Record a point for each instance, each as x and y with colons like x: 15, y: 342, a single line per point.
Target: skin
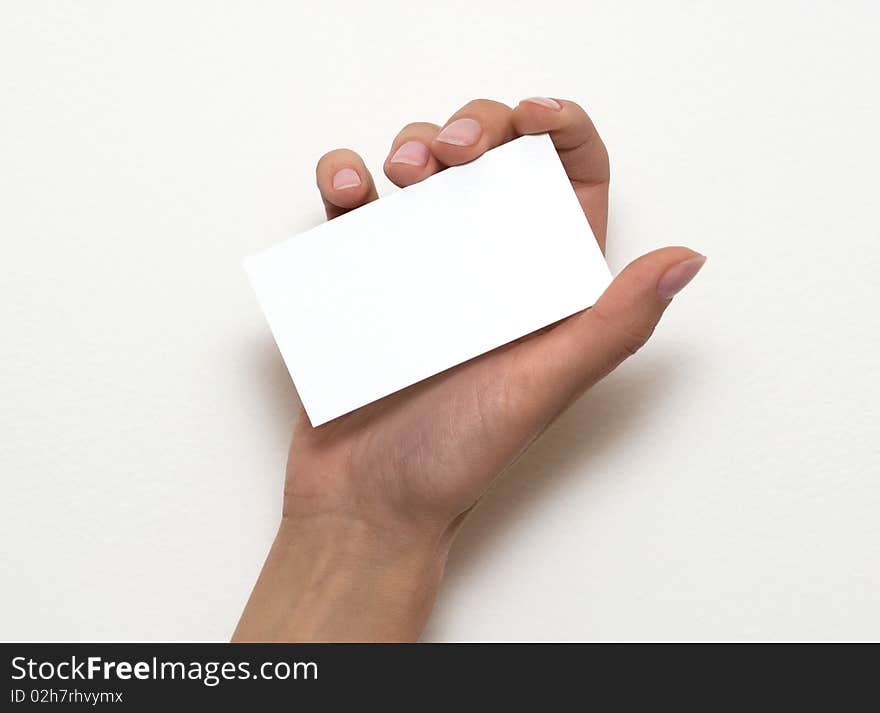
x: 373, y: 500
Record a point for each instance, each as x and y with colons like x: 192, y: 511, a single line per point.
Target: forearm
x: 334, y: 579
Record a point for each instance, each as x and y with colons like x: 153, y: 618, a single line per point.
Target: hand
x: 374, y: 499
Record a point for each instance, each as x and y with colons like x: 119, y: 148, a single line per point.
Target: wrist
x: 331, y: 578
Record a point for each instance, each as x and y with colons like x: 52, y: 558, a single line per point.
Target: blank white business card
x: 428, y: 277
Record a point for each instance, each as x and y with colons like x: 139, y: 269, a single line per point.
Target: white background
x: 722, y: 485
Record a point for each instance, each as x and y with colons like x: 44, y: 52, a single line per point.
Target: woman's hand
x: 373, y: 499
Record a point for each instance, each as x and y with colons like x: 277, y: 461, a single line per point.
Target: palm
x: 436, y: 444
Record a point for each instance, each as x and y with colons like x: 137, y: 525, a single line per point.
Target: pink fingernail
x: 676, y: 277
x: 461, y: 132
x: 545, y: 102
x: 346, y: 178
x: 412, y: 153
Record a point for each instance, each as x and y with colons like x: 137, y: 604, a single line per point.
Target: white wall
x: 724, y: 484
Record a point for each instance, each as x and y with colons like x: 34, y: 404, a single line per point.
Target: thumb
x: 586, y: 347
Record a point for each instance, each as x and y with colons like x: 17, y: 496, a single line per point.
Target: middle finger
x: 478, y: 126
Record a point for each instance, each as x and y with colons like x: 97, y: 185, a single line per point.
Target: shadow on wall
x: 606, y: 419
x: 274, y: 390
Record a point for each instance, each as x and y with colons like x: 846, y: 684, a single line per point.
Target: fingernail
x: 346, y: 178
x: 676, y: 277
x: 461, y: 132
x: 545, y: 102
x: 412, y: 153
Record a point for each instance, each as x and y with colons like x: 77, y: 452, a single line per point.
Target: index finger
x: 580, y: 149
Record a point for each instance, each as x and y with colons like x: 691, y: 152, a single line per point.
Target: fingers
x: 344, y: 182
x: 422, y: 149
x: 478, y: 126
x: 580, y: 149
x: 556, y: 367
x: 410, y: 159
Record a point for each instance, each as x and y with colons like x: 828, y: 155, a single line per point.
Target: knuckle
x: 418, y: 128
x: 568, y: 104
x: 336, y: 155
x: 627, y: 338
x: 481, y: 105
